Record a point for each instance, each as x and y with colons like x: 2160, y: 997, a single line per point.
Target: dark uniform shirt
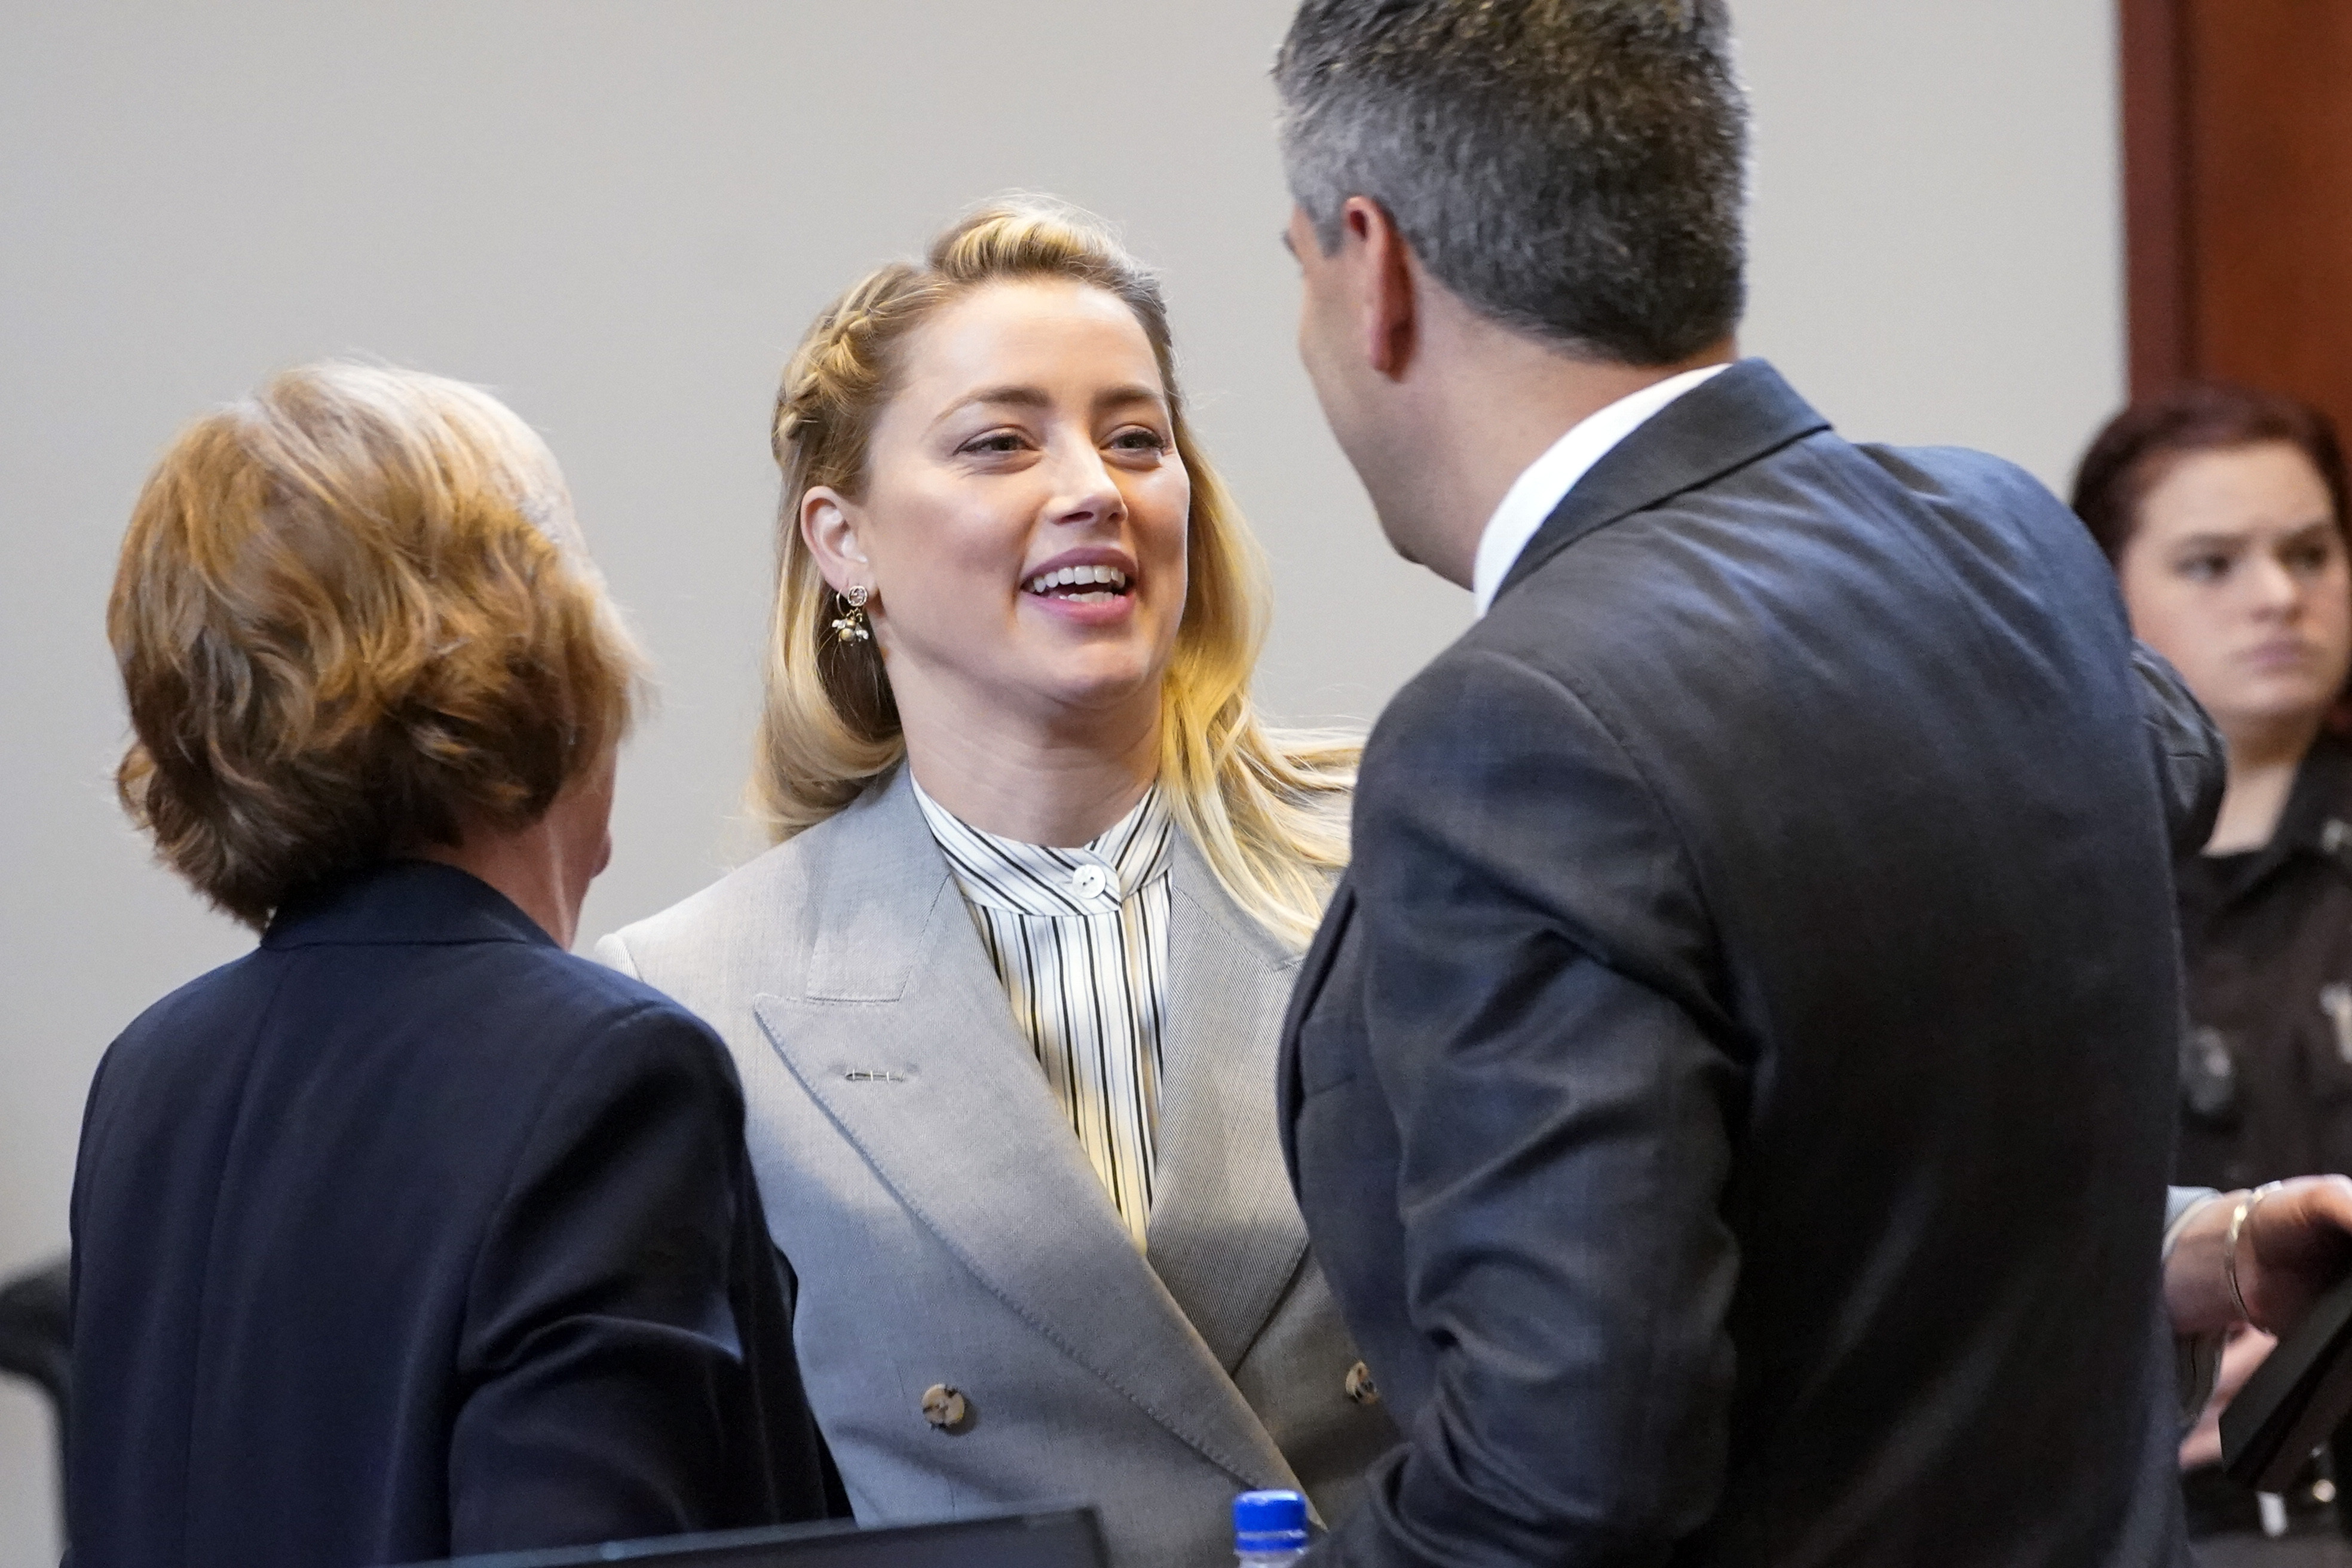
x: 2266, y: 1066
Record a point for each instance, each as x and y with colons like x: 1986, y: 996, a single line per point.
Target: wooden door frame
x: 2159, y: 283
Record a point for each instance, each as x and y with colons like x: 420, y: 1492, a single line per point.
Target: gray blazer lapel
x: 1225, y: 1236
x: 903, y: 1036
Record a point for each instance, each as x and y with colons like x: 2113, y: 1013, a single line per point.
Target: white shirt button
x: 1090, y: 880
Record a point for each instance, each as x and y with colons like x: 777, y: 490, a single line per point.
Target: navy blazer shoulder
x: 1756, y: 983
x: 410, y: 1233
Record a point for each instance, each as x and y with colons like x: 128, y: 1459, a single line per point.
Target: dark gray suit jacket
x: 1731, y: 1095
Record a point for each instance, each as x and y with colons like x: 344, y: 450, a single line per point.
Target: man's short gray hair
x: 1572, y: 169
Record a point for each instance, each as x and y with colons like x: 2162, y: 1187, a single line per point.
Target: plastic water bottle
x: 1269, y: 1528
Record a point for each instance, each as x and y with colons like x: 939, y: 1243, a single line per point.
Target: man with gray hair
x: 1732, y: 1092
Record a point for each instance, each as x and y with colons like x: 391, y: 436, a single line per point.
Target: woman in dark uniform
x: 2224, y: 512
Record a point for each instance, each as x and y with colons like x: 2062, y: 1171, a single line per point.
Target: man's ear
x: 1391, y: 321
x: 829, y: 527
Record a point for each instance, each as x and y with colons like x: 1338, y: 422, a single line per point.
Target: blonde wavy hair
x: 1266, y: 807
x: 351, y: 612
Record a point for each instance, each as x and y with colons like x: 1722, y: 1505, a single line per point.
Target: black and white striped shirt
x: 1079, y: 937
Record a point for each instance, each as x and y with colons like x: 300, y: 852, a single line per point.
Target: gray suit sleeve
x: 1539, y: 1026
x: 2191, y: 762
x: 2191, y: 766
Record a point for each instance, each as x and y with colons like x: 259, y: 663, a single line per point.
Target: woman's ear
x: 829, y: 526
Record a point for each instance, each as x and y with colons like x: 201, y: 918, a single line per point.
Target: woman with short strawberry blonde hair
x: 408, y: 1234
x: 352, y: 611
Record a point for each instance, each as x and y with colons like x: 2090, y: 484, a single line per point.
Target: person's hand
x: 2245, y: 1350
x: 2295, y: 1243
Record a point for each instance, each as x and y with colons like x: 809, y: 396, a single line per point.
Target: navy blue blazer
x: 410, y: 1233
x: 1732, y: 1094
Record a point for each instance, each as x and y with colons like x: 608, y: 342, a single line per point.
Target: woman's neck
x: 2262, y: 762
x: 1059, y: 785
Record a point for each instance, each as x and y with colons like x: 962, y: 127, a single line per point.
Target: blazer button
x: 944, y: 1407
x: 1360, y: 1386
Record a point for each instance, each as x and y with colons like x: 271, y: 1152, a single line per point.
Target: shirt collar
x: 1047, y: 880
x: 1536, y: 493
x: 2316, y: 821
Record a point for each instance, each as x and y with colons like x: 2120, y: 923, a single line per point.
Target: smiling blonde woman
x: 1006, y: 996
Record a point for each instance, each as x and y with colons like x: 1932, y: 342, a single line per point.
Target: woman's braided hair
x: 1266, y: 807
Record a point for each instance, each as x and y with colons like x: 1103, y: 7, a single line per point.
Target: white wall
x: 621, y: 215
x: 1937, y: 231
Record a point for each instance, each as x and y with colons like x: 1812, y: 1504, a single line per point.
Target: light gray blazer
x: 946, y: 1229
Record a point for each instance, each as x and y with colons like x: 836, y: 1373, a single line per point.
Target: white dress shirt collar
x: 1541, y: 486
x: 1057, y: 883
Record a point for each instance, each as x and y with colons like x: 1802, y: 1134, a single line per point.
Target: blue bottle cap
x: 1269, y: 1522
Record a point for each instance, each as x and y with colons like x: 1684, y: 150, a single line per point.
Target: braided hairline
x: 846, y: 360
x: 840, y: 367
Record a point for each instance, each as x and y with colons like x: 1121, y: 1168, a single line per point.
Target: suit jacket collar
x: 397, y: 902
x: 899, y: 1028
x: 1724, y: 424
x: 1313, y: 971
x: 1536, y: 492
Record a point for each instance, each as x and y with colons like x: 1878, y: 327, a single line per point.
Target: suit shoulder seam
x: 1593, y: 708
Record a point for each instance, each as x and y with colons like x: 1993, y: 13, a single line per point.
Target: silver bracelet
x: 2247, y: 1204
